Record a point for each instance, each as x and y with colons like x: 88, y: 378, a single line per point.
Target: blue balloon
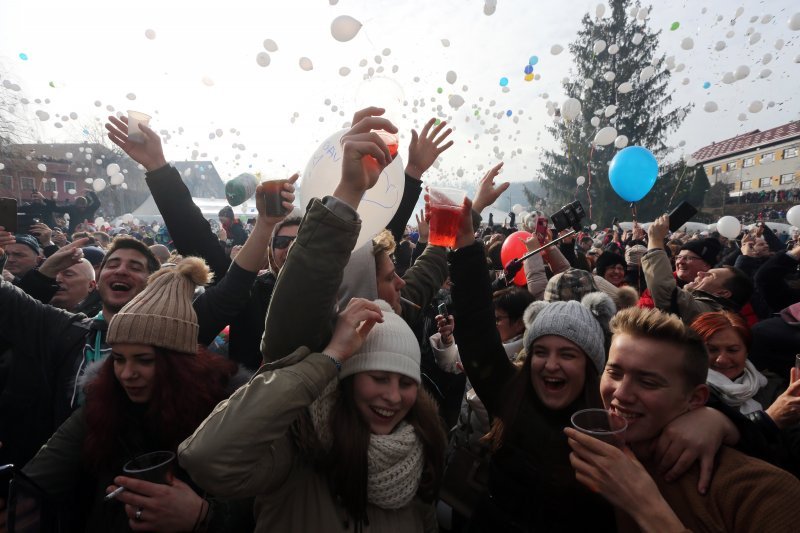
x: 503, y: 81
x: 706, y: 85
x: 533, y: 60
x: 508, y: 113
x: 633, y: 172
x: 528, y: 69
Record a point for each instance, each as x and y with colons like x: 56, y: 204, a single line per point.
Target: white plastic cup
x: 134, y: 119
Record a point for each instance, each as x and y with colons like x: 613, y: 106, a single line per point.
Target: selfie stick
x: 514, y: 265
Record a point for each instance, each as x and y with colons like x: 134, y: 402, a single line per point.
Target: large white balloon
x: 609, y: 76
x: 117, y: 179
x: 793, y: 216
x: 646, y: 73
x: 605, y: 136
x: 451, y: 77
x: 517, y: 209
x: 710, y: 106
x: 556, y: 49
x: 610, y: 110
x: 595, y: 121
x: 728, y: 78
x: 720, y: 46
x: 580, y: 181
x: 729, y: 227
x: 613, y: 49
x: 742, y: 71
x: 112, y: 169
x: 599, y: 46
x: 625, y: 87
x: 756, y: 106
x: 687, y: 43
x: 794, y: 22
x: 621, y: 141
x: 344, y: 28
x: 600, y: 10
x: 570, y: 109
x: 42, y: 167
x: 379, y: 203
x: 99, y: 184
x: 637, y: 38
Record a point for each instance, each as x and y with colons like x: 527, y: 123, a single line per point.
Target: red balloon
x: 514, y: 248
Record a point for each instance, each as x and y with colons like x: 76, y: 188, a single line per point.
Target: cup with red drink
x: 445, y: 215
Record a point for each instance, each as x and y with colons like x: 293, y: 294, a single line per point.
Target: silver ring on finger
x: 138, y: 514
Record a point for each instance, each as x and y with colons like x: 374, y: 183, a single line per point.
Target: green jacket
x: 245, y: 448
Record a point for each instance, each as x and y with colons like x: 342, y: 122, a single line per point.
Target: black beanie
x: 707, y: 249
x: 608, y: 259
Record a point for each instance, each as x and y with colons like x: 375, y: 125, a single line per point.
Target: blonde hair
x: 383, y: 242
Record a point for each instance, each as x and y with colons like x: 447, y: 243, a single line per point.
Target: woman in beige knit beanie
x: 148, y: 395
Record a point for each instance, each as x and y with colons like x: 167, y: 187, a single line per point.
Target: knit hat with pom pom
x: 162, y: 314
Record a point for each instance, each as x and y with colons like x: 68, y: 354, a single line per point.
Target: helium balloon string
x: 589, y: 186
x: 669, y: 205
x: 633, y: 210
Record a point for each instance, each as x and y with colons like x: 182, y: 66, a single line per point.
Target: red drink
x: 274, y: 200
x: 445, y: 220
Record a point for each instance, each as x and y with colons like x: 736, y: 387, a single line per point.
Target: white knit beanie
x: 391, y: 346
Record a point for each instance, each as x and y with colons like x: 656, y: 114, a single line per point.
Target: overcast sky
x: 200, y: 74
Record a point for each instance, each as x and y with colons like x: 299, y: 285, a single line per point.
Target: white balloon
x: 117, y: 179
x: 687, y: 43
x: 124, y: 186
x: 637, y: 38
x: 306, y: 64
x: 445, y: 42
x: 691, y: 162
x: 344, y: 28
x: 517, y: 209
x: 739, y: 12
x: 755, y: 106
x: 99, y: 184
x: 570, y: 109
x: 643, y: 12
x: 42, y: 167
x: 729, y: 227
x: 755, y: 38
x: 71, y: 191
x: 344, y: 71
x: 728, y: 78
x: 455, y: 101
x: 593, y: 227
x: 599, y: 46
x: 207, y: 81
x: 112, y: 169
x: 580, y: 181
x: 451, y: 77
x: 270, y: 45
x: 710, y: 106
x: 621, y: 141
x: 794, y: 22
x: 766, y: 18
x: 720, y: 46
x: 766, y: 58
x: 588, y: 83
x: 150, y: 34
x: 556, y: 49
x: 600, y: 10
x: 797, y: 58
x: 625, y: 87
x: 99, y: 221
x: 765, y: 73
x: 613, y: 49
x: 68, y: 155
x: 610, y: 110
x: 646, y: 73
x: 779, y: 44
x: 379, y: 203
x: 263, y: 59
x: 742, y: 71
x: 605, y: 136
x: 595, y: 121
x: 609, y: 76
x: 793, y: 215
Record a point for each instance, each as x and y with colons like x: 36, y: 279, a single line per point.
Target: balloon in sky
x: 150, y: 34
x: 710, y: 106
x: 529, y: 77
x: 756, y: 106
x: 263, y: 59
x: 112, y: 169
x: 793, y: 216
x: 270, y: 45
x: 625, y: 87
x: 344, y: 28
x: 528, y: 69
x: 99, y: 184
x: 42, y: 167
x: 729, y: 227
x: 503, y: 82
x: 621, y: 141
x: 687, y: 43
x: 706, y: 85
x: 794, y: 22
x: 508, y: 113
x: 599, y: 46
x: 306, y: 64
x: 533, y: 60
x: 451, y: 77
x: 556, y: 49
x: 675, y: 26
x: 646, y: 73
x: 637, y: 38
x: 595, y: 121
x: 570, y: 109
x: 605, y: 136
x: 580, y: 181
x: 633, y: 172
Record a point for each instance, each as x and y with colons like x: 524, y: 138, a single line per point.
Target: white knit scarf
x: 739, y: 393
x: 394, y: 461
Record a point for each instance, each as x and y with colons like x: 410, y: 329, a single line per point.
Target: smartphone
x: 681, y: 215
x: 541, y: 227
x: 443, y: 310
x: 8, y: 214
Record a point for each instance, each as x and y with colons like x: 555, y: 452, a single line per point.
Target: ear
x: 698, y: 397
x: 724, y: 293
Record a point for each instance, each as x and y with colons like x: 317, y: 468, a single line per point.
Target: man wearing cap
x: 21, y: 257
x: 712, y: 290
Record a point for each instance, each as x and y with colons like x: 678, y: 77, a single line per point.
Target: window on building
x: 26, y: 184
x: 49, y: 185
x: 749, y: 162
x: 732, y: 166
x: 764, y: 182
x: 790, y: 152
x: 69, y: 185
x: 747, y: 185
x: 768, y: 158
x: 716, y: 169
x: 7, y: 183
x: 787, y: 178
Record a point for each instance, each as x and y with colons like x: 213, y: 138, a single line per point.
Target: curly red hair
x: 186, y: 389
x: 708, y: 324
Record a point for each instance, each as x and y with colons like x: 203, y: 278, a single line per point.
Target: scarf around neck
x: 394, y: 461
x: 739, y: 392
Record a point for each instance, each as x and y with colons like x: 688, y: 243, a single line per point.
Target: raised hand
x: 426, y: 147
x: 656, y: 233
x: 171, y: 507
x: 149, y: 153
x: 6, y: 238
x: 445, y: 326
x: 64, y: 258
x: 43, y: 233
x: 423, y: 227
x: 353, y: 326
x: 487, y: 193
x: 288, y: 197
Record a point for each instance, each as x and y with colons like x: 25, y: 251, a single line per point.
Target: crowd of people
x: 296, y: 382
x: 771, y: 196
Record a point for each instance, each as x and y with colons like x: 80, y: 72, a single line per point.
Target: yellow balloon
x: 529, y: 77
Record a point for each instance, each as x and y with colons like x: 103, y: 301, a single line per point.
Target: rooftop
x: 747, y: 141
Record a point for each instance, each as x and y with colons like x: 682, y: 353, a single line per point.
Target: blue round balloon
x: 508, y: 113
x: 633, y: 172
x: 533, y: 60
x: 503, y: 82
x: 528, y: 69
x: 706, y: 85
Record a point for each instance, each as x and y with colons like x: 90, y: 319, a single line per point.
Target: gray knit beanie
x: 391, y: 346
x: 573, y: 321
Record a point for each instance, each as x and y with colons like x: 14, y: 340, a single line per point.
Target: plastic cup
x: 274, y: 201
x: 602, y: 425
x: 445, y: 212
x: 152, y: 467
x: 134, y: 119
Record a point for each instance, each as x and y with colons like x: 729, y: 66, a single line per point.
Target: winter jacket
x: 245, y: 448
x: 770, y: 281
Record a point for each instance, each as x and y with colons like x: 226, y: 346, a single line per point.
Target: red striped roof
x: 748, y: 141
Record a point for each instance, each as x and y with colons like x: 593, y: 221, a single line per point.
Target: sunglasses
x: 279, y: 242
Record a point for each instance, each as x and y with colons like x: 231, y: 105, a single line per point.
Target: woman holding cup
x: 149, y: 395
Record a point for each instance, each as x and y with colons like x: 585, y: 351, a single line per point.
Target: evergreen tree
x: 642, y: 115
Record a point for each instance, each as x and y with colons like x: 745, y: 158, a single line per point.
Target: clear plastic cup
x: 445, y: 212
x: 602, y: 425
x: 134, y: 119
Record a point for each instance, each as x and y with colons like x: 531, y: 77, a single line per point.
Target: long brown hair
x: 520, y: 390
x: 185, y: 390
x: 345, y: 464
